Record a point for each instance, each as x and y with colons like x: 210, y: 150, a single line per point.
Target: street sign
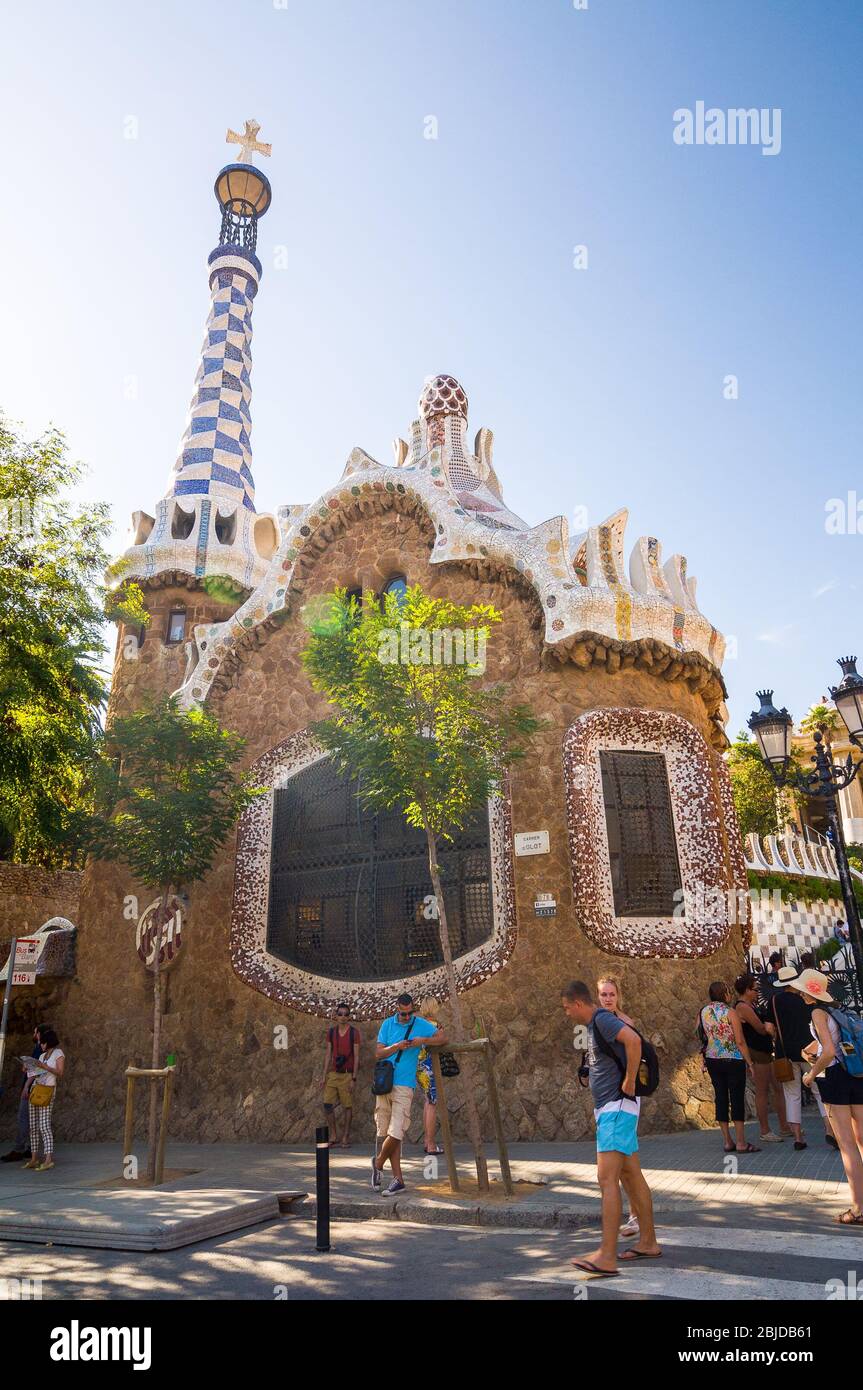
x: 26, y: 956
x: 531, y: 842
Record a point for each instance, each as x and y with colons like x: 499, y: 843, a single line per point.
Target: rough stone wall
x: 29, y: 896
x: 156, y: 667
x: 235, y: 1082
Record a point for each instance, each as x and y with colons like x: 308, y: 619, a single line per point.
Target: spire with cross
x: 249, y: 143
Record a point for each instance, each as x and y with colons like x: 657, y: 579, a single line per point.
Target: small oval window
x: 398, y: 586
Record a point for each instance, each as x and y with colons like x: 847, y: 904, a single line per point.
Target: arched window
x: 398, y: 585
x: 182, y: 524
x: 351, y: 896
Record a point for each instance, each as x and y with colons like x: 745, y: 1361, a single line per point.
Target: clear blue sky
x: 407, y: 256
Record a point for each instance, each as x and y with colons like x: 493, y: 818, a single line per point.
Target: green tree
x: 52, y: 612
x: 761, y: 806
x: 421, y: 734
x: 170, y: 792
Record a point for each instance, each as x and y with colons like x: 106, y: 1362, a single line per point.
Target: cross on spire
x: 248, y: 142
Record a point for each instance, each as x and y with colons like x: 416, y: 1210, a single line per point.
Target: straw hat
x: 785, y: 976
x: 813, y: 983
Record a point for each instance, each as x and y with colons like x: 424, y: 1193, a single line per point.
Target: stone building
x: 623, y: 811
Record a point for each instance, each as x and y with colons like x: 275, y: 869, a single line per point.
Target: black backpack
x: 647, y: 1079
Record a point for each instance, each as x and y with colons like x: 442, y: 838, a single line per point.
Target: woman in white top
x: 841, y: 1092
x: 52, y: 1063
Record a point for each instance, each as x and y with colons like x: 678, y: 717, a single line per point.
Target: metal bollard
x: 322, y: 1187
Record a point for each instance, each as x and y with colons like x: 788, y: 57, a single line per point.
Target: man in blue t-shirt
x: 398, y: 1037
x: 613, y: 1059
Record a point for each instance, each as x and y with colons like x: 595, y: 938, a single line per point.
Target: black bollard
x: 322, y: 1187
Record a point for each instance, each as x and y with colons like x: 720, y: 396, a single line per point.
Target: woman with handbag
x: 43, y: 1091
x: 726, y: 1061
x: 759, y: 1040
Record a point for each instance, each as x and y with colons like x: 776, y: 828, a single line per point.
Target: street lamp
x: 772, y: 728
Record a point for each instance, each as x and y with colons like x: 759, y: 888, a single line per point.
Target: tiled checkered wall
x: 216, y: 451
x: 800, y: 926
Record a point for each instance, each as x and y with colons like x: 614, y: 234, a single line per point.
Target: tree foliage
x: 170, y: 792
x: 824, y: 719
x: 52, y: 560
x: 761, y: 807
x: 423, y: 735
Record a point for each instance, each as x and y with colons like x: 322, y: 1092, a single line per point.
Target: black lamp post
x: 772, y: 728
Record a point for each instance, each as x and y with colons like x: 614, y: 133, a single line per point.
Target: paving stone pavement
x: 687, y: 1172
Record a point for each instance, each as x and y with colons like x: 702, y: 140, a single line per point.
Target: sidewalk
x: 233, y: 1186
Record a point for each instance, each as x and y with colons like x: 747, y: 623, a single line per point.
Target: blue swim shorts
x: 616, y: 1132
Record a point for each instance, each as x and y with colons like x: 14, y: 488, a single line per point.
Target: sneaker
x: 15, y: 1156
x: 394, y: 1188
x: 376, y: 1176
x: 42, y: 1167
x: 630, y: 1227
x: 770, y: 1138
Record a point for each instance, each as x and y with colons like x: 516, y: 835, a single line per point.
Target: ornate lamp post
x: 772, y: 728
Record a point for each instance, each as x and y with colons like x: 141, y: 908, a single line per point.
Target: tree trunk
x: 473, y: 1123
x: 153, y: 1122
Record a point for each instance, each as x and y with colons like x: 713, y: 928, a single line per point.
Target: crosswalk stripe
x: 702, y: 1285
x: 772, y: 1241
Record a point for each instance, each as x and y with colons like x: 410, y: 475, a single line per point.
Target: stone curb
x: 447, y: 1214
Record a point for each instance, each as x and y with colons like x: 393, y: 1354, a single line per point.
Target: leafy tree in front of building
x: 762, y: 808
x: 170, y: 792
x: 421, y: 733
x: 52, y: 613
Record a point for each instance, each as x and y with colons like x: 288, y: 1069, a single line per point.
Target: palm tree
x: 823, y: 719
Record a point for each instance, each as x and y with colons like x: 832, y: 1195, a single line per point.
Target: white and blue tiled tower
x: 215, y: 457
x: 206, y: 524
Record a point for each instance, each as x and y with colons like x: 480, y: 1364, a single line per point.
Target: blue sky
x: 407, y: 256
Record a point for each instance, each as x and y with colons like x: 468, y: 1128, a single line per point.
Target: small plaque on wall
x: 531, y: 842
x: 545, y: 905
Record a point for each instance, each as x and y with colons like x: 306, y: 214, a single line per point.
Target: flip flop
x: 849, y: 1218
x: 632, y: 1254
x: 750, y: 1149
x: 588, y: 1267
x: 732, y: 1150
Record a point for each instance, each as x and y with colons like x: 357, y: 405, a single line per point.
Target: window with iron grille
x: 351, y: 896
x: 645, y: 871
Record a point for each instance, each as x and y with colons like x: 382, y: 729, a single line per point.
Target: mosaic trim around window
x: 698, y: 825
x: 315, y: 994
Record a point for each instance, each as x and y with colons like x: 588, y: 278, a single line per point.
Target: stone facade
x: 235, y: 1081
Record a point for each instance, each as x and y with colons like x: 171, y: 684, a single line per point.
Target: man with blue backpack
x: 836, y: 1061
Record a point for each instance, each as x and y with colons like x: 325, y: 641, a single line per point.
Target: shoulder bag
x: 384, y: 1074
x: 40, y: 1094
x: 783, y: 1068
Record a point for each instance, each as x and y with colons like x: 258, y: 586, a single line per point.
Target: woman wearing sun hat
x: 842, y: 1093
x: 794, y: 1044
